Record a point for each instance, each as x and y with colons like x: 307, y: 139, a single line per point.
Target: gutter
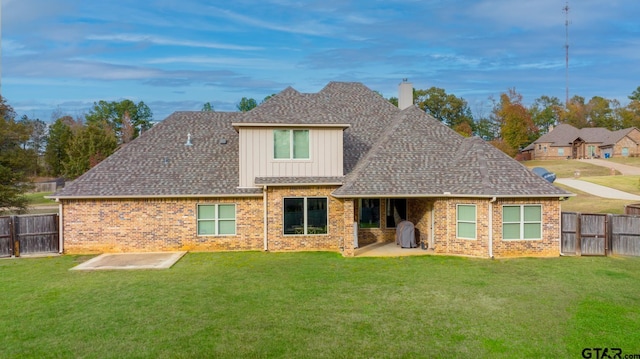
x: 491, y: 227
x: 449, y: 195
x: 60, y: 230
x: 264, y: 219
x: 158, y: 196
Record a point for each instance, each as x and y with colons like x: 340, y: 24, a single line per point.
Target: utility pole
x: 566, y: 49
x: 0, y: 47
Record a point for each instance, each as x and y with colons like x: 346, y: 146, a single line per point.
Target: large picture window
x: 522, y: 222
x: 466, y: 221
x: 290, y: 144
x: 369, y: 216
x: 216, y: 219
x: 305, y: 215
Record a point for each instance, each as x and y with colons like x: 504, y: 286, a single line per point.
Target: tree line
x: 510, y: 125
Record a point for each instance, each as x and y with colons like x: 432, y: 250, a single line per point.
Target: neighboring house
x: 568, y: 142
x: 332, y: 171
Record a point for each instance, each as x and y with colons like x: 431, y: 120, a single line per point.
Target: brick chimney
x: 405, y: 94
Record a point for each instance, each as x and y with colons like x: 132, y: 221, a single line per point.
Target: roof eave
x: 560, y: 196
x: 57, y: 198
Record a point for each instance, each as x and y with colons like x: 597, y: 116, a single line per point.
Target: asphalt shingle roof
x: 158, y: 163
x: 420, y: 156
x: 386, y: 152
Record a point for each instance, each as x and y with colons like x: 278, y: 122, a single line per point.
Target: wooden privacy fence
x: 590, y: 234
x: 29, y: 235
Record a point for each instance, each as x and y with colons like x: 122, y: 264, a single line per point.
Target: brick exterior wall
x: 631, y: 143
x: 332, y: 241
x: 147, y: 225
x: 96, y: 226
x: 445, y: 239
x: 544, y: 151
x: 548, y: 246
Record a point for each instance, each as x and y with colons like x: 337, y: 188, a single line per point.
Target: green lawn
x: 302, y: 305
x: 631, y: 161
x: 567, y: 168
x: 37, y: 198
x: 587, y: 203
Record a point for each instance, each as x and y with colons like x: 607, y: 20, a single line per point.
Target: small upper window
x: 290, y: 144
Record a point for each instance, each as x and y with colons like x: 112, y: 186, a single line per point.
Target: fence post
x: 578, y: 234
x: 13, y: 232
x: 608, y: 241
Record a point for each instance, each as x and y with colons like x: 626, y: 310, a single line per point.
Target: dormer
x: 289, y: 150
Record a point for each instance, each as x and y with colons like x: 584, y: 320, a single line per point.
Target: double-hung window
x: 305, y: 215
x: 522, y: 222
x: 291, y: 144
x: 466, y: 221
x: 216, y: 219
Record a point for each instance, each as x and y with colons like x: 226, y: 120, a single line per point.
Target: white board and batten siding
x: 256, y: 155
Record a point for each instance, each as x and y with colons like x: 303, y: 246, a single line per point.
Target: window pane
x: 532, y: 213
x: 227, y: 211
x: 369, y: 213
x: 281, y: 147
x: 511, y: 213
x: 206, y: 227
x: 466, y: 230
x: 301, y: 144
x: 206, y: 212
x: 226, y: 227
x: 467, y: 213
x: 316, y: 215
x: 294, y: 216
x: 532, y: 231
x: 511, y: 231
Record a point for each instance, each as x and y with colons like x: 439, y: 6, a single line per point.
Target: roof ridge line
x: 384, y: 136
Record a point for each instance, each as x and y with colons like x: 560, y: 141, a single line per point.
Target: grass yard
x: 586, y: 203
x: 293, y: 305
x: 37, y: 198
x: 631, y: 161
x: 567, y: 168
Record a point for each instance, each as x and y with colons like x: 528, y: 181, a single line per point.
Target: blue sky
x: 63, y: 55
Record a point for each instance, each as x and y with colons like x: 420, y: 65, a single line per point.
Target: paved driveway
x: 624, y: 169
x: 597, y: 190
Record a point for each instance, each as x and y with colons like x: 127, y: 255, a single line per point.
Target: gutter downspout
x: 60, y: 229
x: 560, y: 239
x: 264, y: 213
x: 491, y: 227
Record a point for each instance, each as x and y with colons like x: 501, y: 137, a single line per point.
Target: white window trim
x: 291, y: 145
x: 305, y: 224
x: 475, y: 222
x: 522, y: 222
x: 217, y: 220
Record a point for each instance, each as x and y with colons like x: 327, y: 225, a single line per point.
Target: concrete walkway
x: 389, y: 250
x: 624, y: 169
x: 597, y: 190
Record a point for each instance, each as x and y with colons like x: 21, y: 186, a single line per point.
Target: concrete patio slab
x: 389, y: 250
x: 151, y: 260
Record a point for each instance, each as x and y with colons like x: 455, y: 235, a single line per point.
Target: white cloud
x: 158, y: 40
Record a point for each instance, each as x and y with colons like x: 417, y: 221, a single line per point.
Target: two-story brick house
x: 332, y: 171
